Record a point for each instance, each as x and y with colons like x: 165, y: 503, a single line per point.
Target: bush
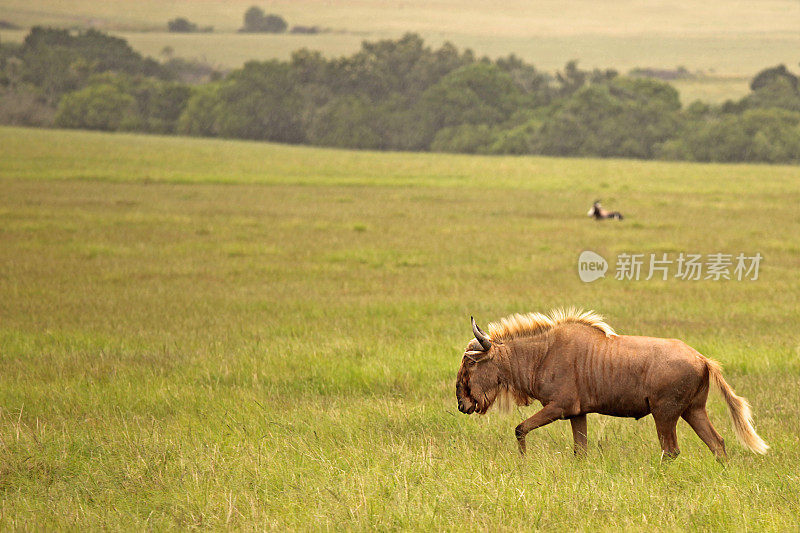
x: 58, y: 62
x: 23, y: 108
x: 260, y: 101
x: 181, y: 25
x: 622, y: 118
x: 305, y: 29
x: 190, y: 71
x: 766, y: 135
x: 480, y: 93
x: 388, y: 67
x: 778, y: 92
x: 466, y: 138
x: 255, y: 21
x: 674, y: 150
x: 518, y: 140
x: 200, y: 114
x: 348, y: 122
x: 97, y: 107
x: 770, y: 75
x: 145, y: 104
x: 158, y: 106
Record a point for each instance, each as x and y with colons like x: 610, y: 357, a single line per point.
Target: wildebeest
x: 599, y: 213
x: 574, y: 363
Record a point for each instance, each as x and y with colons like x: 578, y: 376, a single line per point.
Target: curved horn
x: 482, y: 337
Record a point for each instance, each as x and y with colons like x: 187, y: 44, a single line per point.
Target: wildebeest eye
x: 471, y: 363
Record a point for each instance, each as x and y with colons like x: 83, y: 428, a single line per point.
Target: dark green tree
x: 97, y: 107
x: 768, y: 135
x: 256, y: 21
x: 466, y: 138
x: 626, y: 117
x: 345, y: 121
x: 181, y: 25
x: 201, y: 112
x: 261, y: 101
x: 771, y: 75
x: 57, y: 62
x: 772, y: 87
x: 480, y: 93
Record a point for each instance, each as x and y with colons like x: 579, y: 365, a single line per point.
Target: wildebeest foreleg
x: 547, y: 414
x: 666, y: 428
x: 579, y: 433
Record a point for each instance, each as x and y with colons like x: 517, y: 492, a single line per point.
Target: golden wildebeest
x: 573, y: 363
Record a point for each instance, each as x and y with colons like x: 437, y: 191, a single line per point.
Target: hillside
x: 729, y: 41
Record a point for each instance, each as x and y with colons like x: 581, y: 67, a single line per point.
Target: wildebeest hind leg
x: 667, y: 435
x: 579, y: 434
x: 547, y: 414
x: 697, y: 417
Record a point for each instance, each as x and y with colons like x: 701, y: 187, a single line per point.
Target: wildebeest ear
x: 476, y: 356
x: 482, y: 337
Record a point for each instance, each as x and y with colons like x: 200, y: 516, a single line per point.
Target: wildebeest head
x: 594, y: 209
x: 478, y: 380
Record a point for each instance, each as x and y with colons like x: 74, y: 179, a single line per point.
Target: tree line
x: 396, y: 95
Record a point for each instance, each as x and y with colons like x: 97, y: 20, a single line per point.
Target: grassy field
x: 728, y: 40
x: 207, y: 333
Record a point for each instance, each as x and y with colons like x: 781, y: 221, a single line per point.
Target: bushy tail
x: 739, y: 410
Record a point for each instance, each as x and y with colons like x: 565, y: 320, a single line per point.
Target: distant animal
x: 599, y: 213
x: 574, y: 363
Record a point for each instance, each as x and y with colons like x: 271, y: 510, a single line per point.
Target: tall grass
x: 203, y: 333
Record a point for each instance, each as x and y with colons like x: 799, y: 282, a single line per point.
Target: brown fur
x: 573, y: 363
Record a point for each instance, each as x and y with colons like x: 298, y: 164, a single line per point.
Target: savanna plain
x: 208, y: 333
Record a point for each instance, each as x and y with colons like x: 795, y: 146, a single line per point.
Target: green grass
x: 207, y: 333
x: 721, y: 38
